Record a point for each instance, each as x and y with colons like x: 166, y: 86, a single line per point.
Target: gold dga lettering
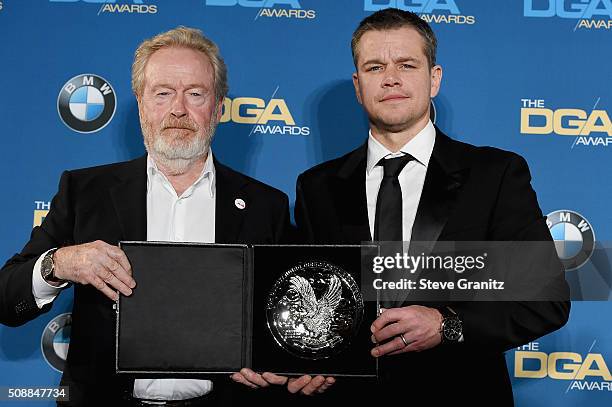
x: 601, y: 369
x: 283, y: 115
x: 595, y: 117
x: 573, y: 126
x: 519, y: 370
x: 570, y: 369
x: 254, y: 113
x: 528, y: 112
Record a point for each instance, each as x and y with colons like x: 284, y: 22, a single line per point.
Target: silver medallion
x: 314, y: 309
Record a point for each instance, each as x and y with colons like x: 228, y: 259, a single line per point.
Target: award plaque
x: 199, y: 310
x: 309, y: 314
x: 314, y: 310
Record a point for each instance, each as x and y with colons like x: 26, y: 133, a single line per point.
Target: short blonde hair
x: 182, y: 37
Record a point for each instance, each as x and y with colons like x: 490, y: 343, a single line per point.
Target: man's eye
x: 163, y: 93
x: 195, y: 94
x: 407, y: 66
x: 374, y: 68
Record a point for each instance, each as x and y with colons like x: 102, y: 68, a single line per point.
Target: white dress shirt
x: 186, y: 218
x: 411, y: 178
x: 171, y: 218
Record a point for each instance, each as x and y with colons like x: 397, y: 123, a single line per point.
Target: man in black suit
x: 177, y: 192
x: 411, y: 182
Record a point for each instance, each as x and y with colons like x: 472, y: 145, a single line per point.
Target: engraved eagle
x: 317, y: 315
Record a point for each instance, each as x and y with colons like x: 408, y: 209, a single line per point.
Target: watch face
x: 452, y: 329
x: 46, y: 266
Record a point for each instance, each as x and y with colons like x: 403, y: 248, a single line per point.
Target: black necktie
x: 388, y: 218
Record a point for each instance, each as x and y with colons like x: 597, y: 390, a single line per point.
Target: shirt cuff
x: 43, y: 292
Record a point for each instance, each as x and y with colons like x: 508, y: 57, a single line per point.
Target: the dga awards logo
x: 41, y: 209
x: 584, y: 372
x: 272, y: 117
x: 56, y: 340
x: 585, y: 127
x: 86, y: 103
x: 591, y: 14
x: 432, y: 11
x: 118, y: 7
x: 574, y: 237
x: 269, y: 8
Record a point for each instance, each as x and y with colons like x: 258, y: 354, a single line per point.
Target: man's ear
x: 436, y: 80
x: 139, y: 104
x: 219, y: 109
x: 356, y: 85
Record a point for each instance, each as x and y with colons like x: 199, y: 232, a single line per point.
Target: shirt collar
x: 207, y: 172
x: 420, y: 147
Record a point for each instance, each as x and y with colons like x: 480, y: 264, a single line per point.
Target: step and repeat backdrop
x: 531, y: 76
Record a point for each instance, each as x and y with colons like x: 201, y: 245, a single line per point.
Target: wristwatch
x: 451, y: 328
x: 47, y: 268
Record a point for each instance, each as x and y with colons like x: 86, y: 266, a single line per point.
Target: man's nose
x: 178, y: 106
x: 391, y: 78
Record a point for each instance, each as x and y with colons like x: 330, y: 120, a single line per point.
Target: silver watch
x: 47, y: 268
x: 451, y: 328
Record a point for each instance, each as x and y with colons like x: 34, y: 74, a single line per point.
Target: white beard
x: 176, y: 157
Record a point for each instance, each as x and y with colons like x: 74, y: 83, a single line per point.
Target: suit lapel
x: 228, y: 218
x: 446, y: 173
x: 349, y: 193
x: 129, y: 198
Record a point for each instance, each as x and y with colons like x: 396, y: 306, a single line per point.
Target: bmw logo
x: 55, y: 341
x: 86, y: 103
x: 574, y: 237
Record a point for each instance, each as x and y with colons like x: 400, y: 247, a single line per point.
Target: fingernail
x: 373, y: 339
x: 372, y: 329
x: 375, y: 352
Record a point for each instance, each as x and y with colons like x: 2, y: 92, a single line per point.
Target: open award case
x: 207, y: 309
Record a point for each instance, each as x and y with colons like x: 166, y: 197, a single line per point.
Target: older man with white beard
x: 177, y: 192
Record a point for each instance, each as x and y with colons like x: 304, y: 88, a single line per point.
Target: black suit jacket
x: 109, y: 203
x: 470, y: 194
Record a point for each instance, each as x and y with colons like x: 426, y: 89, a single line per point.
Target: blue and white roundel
x: 55, y: 341
x: 574, y: 237
x: 568, y: 239
x: 61, y: 342
x: 86, y: 103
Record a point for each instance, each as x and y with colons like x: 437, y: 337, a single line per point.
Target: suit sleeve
x: 504, y: 325
x: 17, y: 302
x: 305, y: 232
x: 284, y: 231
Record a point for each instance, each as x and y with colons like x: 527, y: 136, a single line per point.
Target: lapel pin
x: 240, y: 204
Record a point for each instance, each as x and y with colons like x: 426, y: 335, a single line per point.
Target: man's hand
x: 304, y: 385
x: 308, y: 385
x: 255, y: 380
x: 420, y: 327
x: 97, y: 263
